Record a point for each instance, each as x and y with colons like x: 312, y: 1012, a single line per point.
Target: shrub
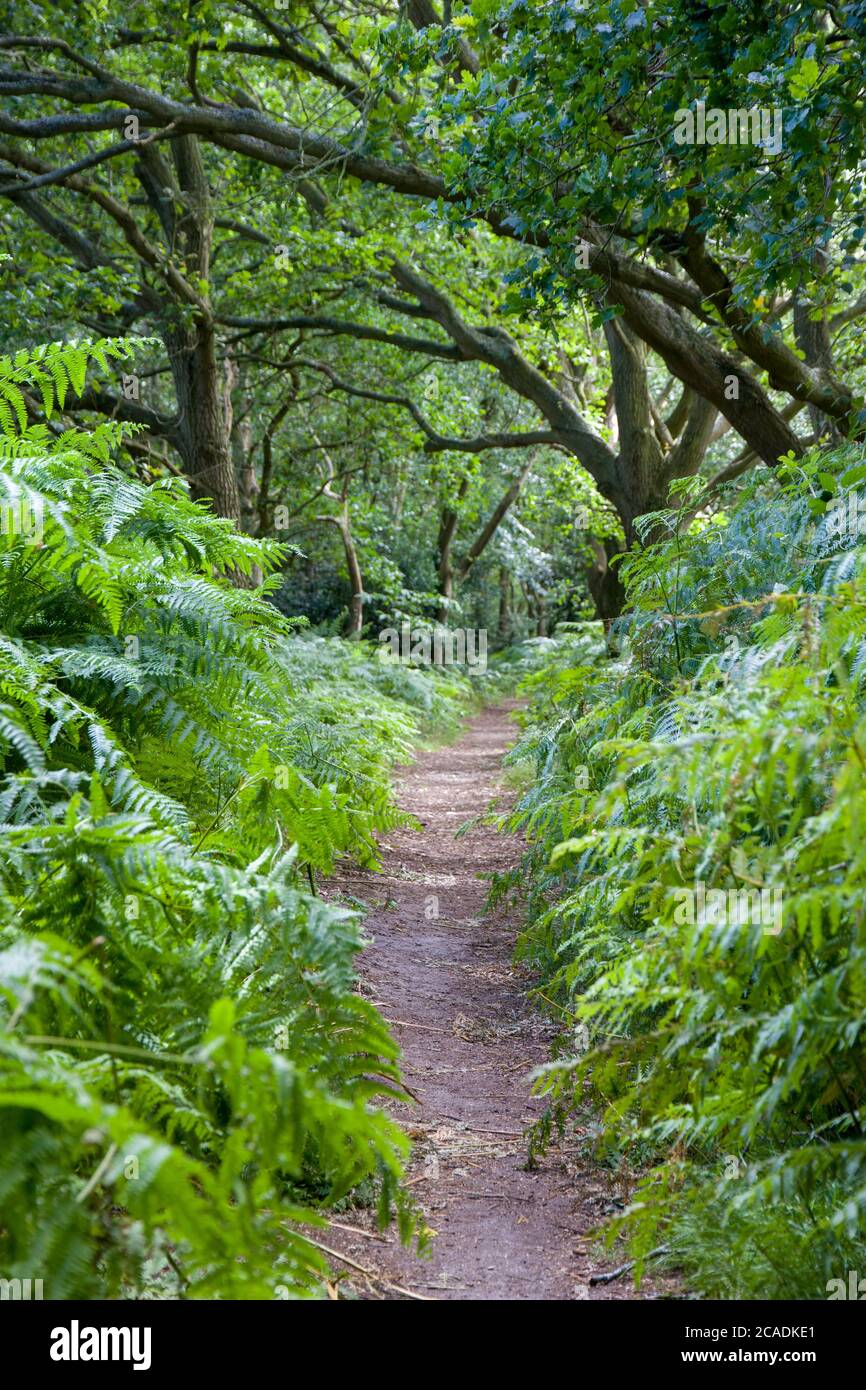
x: 724, y: 749
x: 187, y: 1075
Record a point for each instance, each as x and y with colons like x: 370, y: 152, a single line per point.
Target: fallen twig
x: 359, y: 1231
x: 369, y: 1273
x: 617, y: 1273
x: 495, y: 1196
x: 426, y: 1027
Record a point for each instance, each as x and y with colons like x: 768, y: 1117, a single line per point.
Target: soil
x: 470, y: 1036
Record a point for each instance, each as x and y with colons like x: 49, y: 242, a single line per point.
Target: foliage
x: 725, y: 746
x: 433, y: 302
x: 335, y: 357
x: 574, y: 116
x: 187, y: 1072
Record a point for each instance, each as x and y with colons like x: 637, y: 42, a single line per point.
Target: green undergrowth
x: 188, y: 1077
x: 718, y: 1053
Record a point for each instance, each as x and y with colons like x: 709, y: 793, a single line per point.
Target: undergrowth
x: 187, y: 1074
x: 722, y: 748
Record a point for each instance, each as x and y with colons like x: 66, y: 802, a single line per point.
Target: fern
x: 726, y: 747
x: 187, y: 1074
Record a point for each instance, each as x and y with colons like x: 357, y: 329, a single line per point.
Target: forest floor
x: 448, y: 986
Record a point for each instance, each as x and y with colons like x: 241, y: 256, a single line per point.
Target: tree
x: 402, y: 93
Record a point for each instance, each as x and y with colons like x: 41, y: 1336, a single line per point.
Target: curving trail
x: 458, y: 1006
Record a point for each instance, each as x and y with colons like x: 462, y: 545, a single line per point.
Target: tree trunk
x: 204, y: 404
x: 536, y: 607
x: 353, y: 567
x: 504, y: 606
x: 447, y: 530
x: 813, y: 339
x: 604, y: 582
x: 356, y: 603
x: 203, y: 434
x: 242, y: 449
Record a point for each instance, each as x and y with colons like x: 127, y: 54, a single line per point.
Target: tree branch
x: 345, y: 327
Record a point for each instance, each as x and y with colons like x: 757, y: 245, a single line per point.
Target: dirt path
x: 456, y: 1003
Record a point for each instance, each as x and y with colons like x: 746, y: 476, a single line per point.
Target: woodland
x: 323, y: 321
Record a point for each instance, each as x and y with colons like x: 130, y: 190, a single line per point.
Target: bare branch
x: 88, y: 162
x: 345, y: 327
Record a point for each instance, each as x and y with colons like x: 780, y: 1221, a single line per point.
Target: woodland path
x: 458, y: 1006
